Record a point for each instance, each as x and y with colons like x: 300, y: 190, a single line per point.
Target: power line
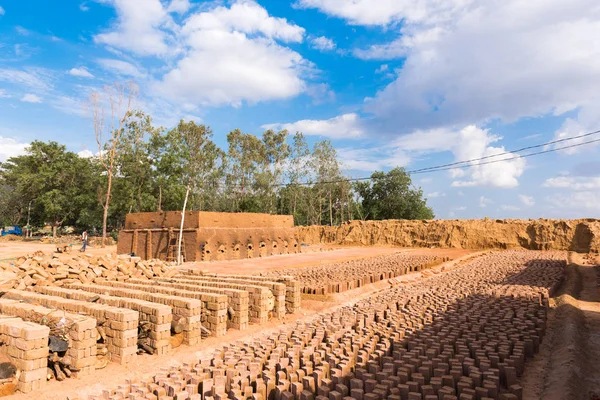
x: 446, y: 167
x: 507, y: 152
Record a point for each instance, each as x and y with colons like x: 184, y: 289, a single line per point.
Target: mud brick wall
x: 278, y: 289
x: 120, y: 325
x: 188, y: 310
x: 214, y: 307
x: 156, y: 318
x: 466, y: 333
x: 26, y: 346
x: 203, y: 219
x: 79, y: 329
x: 260, y: 298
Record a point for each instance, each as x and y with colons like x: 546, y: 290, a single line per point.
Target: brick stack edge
x: 119, y: 324
x: 80, y: 331
x: 26, y: 346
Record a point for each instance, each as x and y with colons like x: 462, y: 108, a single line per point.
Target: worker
x: 84, y: 239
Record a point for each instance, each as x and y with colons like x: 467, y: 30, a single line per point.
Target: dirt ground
x: 309, y: 259
x: 568, y: 366
x: 11, y: 250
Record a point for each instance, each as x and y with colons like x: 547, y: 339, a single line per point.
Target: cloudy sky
x: 413, y: 83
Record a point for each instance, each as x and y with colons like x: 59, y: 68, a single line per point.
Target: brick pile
x: 186, y: 311
x: 39, y: 269
x: 465, y: 334
x: 78, y: 330
x: 293, y: 292
x: 118, y: 326
x: 154, y: 318
x: 340, y: 277
x: 25, y: 344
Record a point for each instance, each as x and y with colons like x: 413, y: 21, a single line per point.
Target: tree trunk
x: 106, y: 204
x: 187, y: 192
x: 330, y: 210
x: 159, y: 209
x: 54, y: 229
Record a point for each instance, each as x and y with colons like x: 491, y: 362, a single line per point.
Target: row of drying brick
x: 348, y: 275
x: 124, y: 311
x: 463, y: 334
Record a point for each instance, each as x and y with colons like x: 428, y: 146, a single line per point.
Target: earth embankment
x: 581, y: 235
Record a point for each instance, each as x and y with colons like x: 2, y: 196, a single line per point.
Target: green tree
x: 391, y: 195
x: 58, y: 183
x: 245, y: 157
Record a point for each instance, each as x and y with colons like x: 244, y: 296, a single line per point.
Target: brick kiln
x: 207, y: 235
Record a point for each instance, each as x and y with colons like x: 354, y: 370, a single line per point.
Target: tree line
x: 141, y: 167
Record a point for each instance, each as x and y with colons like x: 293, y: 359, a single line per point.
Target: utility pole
x: 28, y: 217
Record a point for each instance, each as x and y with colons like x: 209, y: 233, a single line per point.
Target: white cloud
x: 528, y: 201
x: 573, y: 183
x: 11, y: 148
x: 322, y: 43
x: 138, y: 28
x: 375, y: 159
x: 85, y: 154
x: 179, y: 6
x: 484, y: 201
x: 382, y: 69
x: 83, y: 7
x: 460, y: 208
x: 31, y: 98
x: 577, y: 204
x: 468, y: 61
x: 475, y: 143
x: 342, y: 127
x: 3, y: 94
x: 2, y: 12
x: 586, y: 121
x: 321, y: 93
x: 233, y: 55
x: 509, y: 208
x: 425, y: 180
x: 33, y: 78
x: 245, y: 16
x: 434, y: 195
x: 120, y: 67
x: 80, y: 72
x: 364, y: 12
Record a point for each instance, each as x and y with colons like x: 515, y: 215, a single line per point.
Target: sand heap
x: 39, y: 269
x: 576, y: 235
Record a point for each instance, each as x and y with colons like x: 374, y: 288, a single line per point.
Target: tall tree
x: 245, y: 155
x: 391, y: 195
x: 57, y: 182
x: 327, y: 174
x: 109, y: 130
x: 298, y: 174
x: 199, y: 157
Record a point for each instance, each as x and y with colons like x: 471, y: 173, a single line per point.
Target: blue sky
x: 411, y: 83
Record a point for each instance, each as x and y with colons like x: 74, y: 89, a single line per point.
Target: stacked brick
x: 465, y: 334
x: 261, y: 299
x: 40, y: 269
x: 278, y: 289
x: 25, y: 344
x: 153, y: 317
x: 120, y: 325
x: 340, y: 277
x: 188, y: 310
x: 214, y: 303
x: 293, y: 288
x: 79, y: 330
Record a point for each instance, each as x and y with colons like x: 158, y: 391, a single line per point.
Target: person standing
x: 84, y: 239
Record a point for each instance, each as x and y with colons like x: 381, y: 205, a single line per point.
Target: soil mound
x: 581, y: 235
